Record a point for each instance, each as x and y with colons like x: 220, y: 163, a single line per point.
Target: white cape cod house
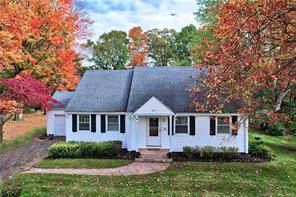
x: 143, y: 108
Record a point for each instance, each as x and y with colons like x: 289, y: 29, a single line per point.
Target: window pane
x: 113, y: 127
x: 83, y: 122
x: 113, y: 124
x: 181, y: 129
x: 84, y: 118
x: 153, y: 126
x: 113, y: 119
x: 223, y: 120
x: 181, y: 120
x: 83, y: 126
x: 223, y: 129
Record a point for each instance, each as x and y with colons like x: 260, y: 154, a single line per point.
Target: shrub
x: 187, y: 150
x: 276, y: 129
x: 207, y: 151
x: 210, y: 153
x: 106, y: 149
x: 258, y: 149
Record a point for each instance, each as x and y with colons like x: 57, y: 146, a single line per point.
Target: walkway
x: 135, y: 168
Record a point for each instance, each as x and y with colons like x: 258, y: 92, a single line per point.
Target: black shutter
x: 173, y: 120
x: 234, y: 125
x: 103, y: 123
x: 74, y: 122
x: 212, y: 125
x: 192, y: 125
x: 168, y: 125
x: 234, y: 119
x: 122, y: 123
x: 93, y: 123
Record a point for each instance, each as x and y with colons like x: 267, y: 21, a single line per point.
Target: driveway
x: 17, y: 160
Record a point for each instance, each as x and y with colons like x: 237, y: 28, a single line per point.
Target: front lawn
x: 276, y: 178
x: 82, y: 163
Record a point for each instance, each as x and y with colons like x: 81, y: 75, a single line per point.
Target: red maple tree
x: 250, y: 58
x: 23, y: 90
x: 37, y: 40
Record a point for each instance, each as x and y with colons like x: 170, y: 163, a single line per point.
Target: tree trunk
x: 1, y: 131
x: 279, y: 100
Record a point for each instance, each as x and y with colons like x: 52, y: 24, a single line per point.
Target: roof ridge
x: 129, y: 89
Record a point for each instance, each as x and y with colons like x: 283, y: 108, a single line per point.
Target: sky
x: 110, y: 15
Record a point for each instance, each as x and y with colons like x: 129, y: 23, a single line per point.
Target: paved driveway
x: 17, y: 160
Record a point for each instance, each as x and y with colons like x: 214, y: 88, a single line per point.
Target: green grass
x: 276, y: 178
x: 22, y: 139
x: 82, y: 163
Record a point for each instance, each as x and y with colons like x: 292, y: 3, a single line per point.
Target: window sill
x: 182, y: 134
x: 223, y: 133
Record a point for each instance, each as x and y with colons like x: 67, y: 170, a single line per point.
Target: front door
x: 153, y: 138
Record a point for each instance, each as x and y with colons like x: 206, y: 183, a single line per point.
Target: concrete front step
x: 153, y: 150
x: 153, y: 155
x: 154, y: 160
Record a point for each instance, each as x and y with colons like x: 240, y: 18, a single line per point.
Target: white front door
x: 153, y: 138
x: 59, y: 125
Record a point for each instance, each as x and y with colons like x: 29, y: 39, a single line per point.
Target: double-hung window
x: 223, y: 124
x: 182, y: 125
x: 84, y: 123
x: 113, y: 123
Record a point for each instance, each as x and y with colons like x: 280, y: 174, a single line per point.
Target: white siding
x: 136, y: 133
x: 153, y: 107
x: 50, y: 116
x: 97, y: 136
x: 202, y: 137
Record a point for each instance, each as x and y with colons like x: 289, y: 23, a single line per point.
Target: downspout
x: 171, y: 130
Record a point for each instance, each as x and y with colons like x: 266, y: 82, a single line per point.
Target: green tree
x: 204, y: 13
x: 161, y: 46
x: 184, y: 42
x: 110, y: 51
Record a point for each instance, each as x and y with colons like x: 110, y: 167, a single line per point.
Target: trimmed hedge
x: 206, y: 153
x: 108, y: 149
x: 257, y: 153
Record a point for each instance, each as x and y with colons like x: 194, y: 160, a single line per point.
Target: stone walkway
x: 135, y: 168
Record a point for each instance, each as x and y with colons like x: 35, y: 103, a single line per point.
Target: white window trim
x: 188, y: 126
x: 230, y: 123
x: 79, y: 122
x: 107, y: 130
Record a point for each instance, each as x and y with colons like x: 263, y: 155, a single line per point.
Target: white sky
x: 125, y: 14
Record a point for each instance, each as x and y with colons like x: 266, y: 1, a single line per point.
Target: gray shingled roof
x: 167, y: 84
x: 102, y: 91
x: 63, y: 97
x: 128, y: 90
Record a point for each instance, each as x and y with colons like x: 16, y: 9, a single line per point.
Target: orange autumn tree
x: 36, y: 52
x: 138, y: 47
x: 38, y: 35
x: 250, y: 58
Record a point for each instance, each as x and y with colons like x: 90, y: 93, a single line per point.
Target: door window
x: 153, y: 126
